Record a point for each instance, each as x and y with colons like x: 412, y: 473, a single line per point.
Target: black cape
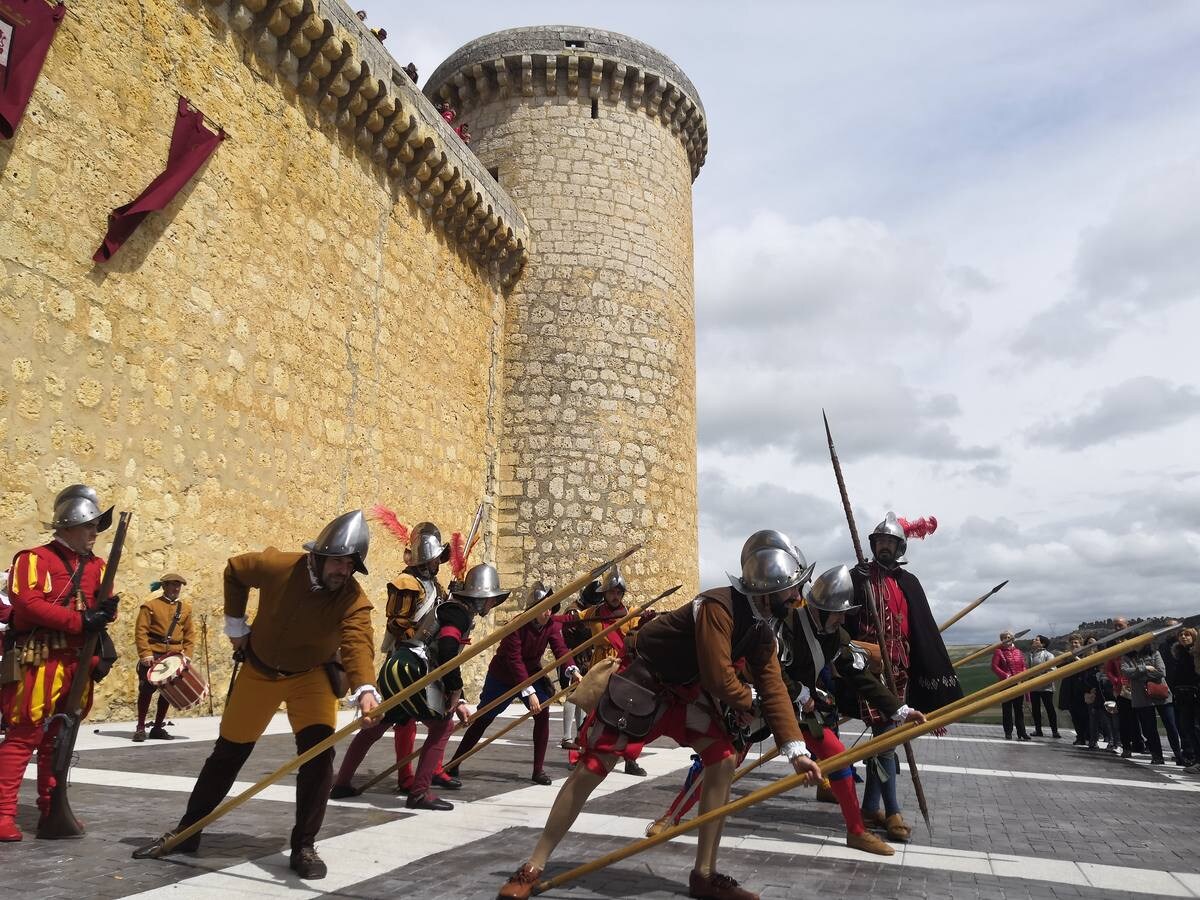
x: 932, y: 681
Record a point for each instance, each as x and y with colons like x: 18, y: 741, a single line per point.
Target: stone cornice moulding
x: 332, y: 59
x: 587, y: 74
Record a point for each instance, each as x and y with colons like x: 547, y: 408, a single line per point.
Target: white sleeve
x: 236, y: 627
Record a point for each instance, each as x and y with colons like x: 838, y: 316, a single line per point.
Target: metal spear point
x: 970, y: 606
x: 877, y: 619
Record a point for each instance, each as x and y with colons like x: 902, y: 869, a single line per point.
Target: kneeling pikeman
x: 164, y: 625
x: 440, y: 703
x: 687, y: 658
x: 52, y: 589
x: 309, y: 607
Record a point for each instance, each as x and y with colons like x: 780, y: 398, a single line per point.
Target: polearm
x: 168, y: 844
x: 970, y: 606
x: 876, y: 617
x: 983, y: 651
x: 885, y: 742
x: 545, y: 670
x: 774, y: 752
x: 459, y: 760
x: 1032, y: 672
x: 207, y: 668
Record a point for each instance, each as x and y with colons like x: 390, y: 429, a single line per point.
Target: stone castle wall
x: 598, y: 141
x: 313, y: 325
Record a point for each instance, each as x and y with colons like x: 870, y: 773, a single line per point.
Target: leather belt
x: 270, y: 671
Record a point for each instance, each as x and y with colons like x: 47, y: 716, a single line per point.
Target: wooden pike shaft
x: 983, y: 651
x: 473, y: 650
x: 458, y: 761
x: 545, y: 670
x: 970, y: 606
x: 881, y: 744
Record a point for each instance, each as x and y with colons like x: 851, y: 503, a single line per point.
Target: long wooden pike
x: 171, y: 840
x: 881, y: 744
x: 970, y: 606
x: 545, y: 670
x: 876, y: 617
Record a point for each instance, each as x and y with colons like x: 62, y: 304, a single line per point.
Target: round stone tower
x: 598, y: 138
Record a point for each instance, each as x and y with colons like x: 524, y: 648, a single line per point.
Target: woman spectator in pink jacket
x: 1007, y: 661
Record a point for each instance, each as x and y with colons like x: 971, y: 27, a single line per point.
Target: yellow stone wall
x: 292, y: 337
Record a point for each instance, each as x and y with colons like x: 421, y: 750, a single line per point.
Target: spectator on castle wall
x: 463, y: 132
x: 380, y: 34
x: 411, y: 71
x: 1007, y: 661
x: 1151, y: 697
x: 1043, y: 697
x: 447, y: 112
x: 1184, y: 653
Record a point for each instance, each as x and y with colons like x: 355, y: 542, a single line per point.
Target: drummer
x: 164, y: 625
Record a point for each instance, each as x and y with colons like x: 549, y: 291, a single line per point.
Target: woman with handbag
x: 1146, y: 673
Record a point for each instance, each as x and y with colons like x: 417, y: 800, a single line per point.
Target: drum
x: 177, y: 679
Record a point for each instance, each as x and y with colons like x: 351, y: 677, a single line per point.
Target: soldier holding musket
x: 53, y: 590
x: 310, y: 607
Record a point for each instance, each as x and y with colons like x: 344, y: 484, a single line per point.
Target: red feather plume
x: 391, y: 523
x: 921, y: 528
x: 458, y: 556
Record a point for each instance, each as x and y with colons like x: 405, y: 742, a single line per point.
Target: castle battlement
x: 571, y: 61
x: 323, y: 50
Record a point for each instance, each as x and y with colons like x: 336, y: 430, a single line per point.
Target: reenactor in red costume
x: 52, y: 589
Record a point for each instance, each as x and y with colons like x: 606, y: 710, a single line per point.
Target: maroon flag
x: 191, y: 145
x: 27, y: 28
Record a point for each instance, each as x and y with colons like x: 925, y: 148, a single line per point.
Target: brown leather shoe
x: 874, y: 819
x: 869, y: 843
x: 716, y: 886
x: 520, y: 886
x: 307, y: 864
x: 897, y: 828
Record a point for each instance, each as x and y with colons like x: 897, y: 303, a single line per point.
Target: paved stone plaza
x: 1011, y: 820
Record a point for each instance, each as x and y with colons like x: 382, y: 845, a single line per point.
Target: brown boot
x: 520, y: 886
x: 874, y: 819
x: 716, y: 886
x: 869, y: 843
x: 897, y: 828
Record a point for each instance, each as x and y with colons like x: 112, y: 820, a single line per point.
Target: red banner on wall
x: 27, y: 29
x: 191, y: 144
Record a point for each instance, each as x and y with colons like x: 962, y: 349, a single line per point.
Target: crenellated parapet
x: 586, y: 63
x: 333, y: 60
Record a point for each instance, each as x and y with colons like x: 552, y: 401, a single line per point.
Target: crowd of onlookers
x: 1124, y: 701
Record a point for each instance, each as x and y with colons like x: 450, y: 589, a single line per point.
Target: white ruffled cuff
x: 528, y: 692
x: 365, y: 689
x: 902, y: 713
x: 793, y: 749
x: 572, y: 670
x: 236, y: 627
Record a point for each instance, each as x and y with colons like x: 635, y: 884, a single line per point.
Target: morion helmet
x: 425, y: 545
x: 347, y: 535
x: 78, y: 505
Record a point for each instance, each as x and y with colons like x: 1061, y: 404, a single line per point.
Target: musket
x: 60, y: 821
x: 970, y: 606
x: 207, y: 668
x: 877, y: 619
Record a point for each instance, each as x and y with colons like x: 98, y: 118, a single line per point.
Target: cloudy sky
x: 971, y: 232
